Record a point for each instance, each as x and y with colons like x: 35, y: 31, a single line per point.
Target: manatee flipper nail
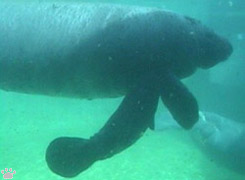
x: 180, y: 102
x: 70, y: 156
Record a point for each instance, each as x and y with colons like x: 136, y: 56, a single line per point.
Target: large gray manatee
x: 98, y: 51
x: 220, y: 138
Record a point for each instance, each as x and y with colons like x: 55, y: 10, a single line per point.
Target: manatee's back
x: 84, y: 50
x: 44, y: 47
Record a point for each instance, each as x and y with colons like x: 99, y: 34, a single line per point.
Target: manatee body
x: 97, y: 51
x: 222, y: 139
x: 93, y: 50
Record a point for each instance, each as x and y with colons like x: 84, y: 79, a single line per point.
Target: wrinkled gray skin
x: 222, y: 139
x: 96, y: 51
x: 91, y: 51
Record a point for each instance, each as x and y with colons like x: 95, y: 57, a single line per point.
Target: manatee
x: 105, y: 51
x: 220, y: 138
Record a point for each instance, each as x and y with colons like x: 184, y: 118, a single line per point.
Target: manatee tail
x: 70, y: 156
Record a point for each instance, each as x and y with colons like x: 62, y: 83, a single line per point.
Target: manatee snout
x: 228, y: 49
x: 213, y: 49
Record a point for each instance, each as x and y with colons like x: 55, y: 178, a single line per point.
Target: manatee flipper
x: 179, y: 101
x: 70, y: 156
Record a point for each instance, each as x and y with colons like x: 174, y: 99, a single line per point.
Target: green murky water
x: 29, y: 123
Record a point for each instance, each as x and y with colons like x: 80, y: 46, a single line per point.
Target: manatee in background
x: 222, y: 139
x: 100, y: 51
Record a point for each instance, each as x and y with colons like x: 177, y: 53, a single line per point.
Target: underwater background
x: 30, y: 122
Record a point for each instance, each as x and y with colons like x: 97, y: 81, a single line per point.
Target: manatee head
x: 183, y: 44
x: 211, y: 48
x: 216, y: 131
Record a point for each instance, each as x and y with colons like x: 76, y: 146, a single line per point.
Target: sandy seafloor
x: 30, y: 122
